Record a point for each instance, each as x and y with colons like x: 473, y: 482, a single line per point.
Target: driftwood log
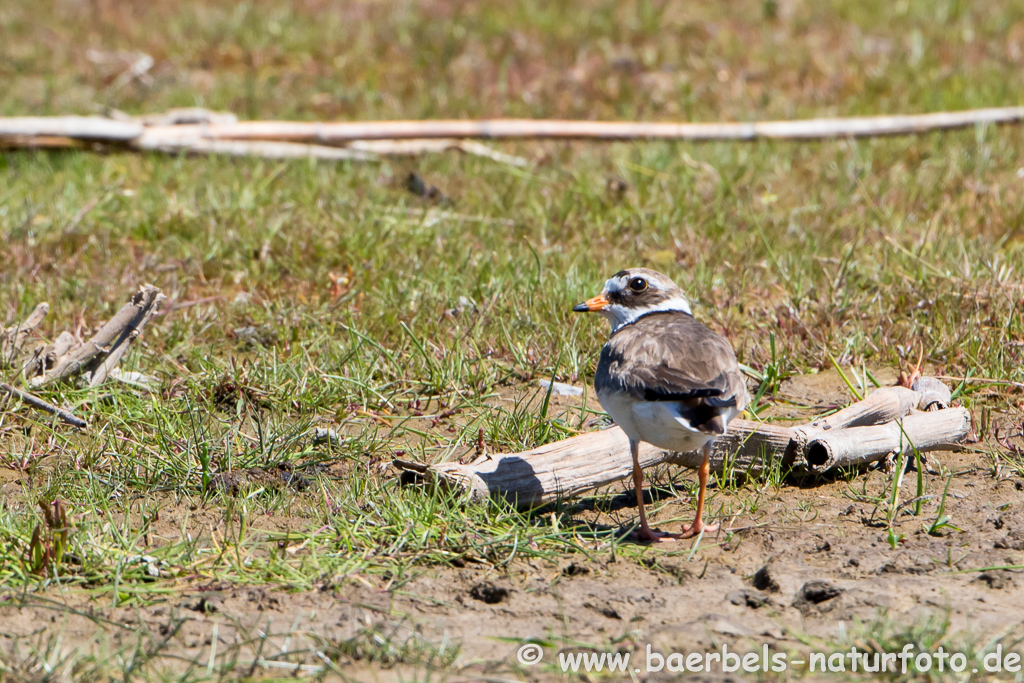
x: 218, y: 126
x: 188, y: 131
x: 65, y: 358
x: 198, y: 131
x: 888, y: 421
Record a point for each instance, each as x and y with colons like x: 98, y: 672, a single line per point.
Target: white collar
x: 620, y: 316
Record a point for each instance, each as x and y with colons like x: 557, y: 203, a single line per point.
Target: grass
x: 308, y: 294
x: 932, y: 633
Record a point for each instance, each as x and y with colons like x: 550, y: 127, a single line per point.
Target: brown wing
x: 672, y: 357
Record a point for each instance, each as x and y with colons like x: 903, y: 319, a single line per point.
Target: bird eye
x: 638, y: 284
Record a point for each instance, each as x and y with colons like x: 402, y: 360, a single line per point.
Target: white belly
x: 655, y: 422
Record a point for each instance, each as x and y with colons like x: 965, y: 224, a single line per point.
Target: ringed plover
x: 663, y: 377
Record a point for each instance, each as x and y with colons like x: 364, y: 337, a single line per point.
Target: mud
x: 792, y: 568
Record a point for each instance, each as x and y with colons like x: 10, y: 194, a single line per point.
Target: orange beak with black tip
x: 593, y: 305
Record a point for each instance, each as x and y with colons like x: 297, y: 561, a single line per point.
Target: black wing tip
x: 708, y: 395
x: 715, y: 427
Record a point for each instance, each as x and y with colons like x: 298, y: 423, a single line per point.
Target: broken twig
x: 39, y: 403
x: 98, y: 355
x: 13, y: 338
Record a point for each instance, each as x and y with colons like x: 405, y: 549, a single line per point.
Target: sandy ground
x: 798, y: 535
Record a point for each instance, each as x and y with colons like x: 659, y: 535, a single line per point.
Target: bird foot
x: 691, y: 530
x: 648, y: 535
x: 907, y: 379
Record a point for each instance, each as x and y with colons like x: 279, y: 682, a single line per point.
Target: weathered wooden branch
x: 152, y: 140
x: 39, y: 403
x: 13, y: 338
x: 199, y: 131
x: 415, y: 146
x: 94, y: 128
x: 95, y: 357
x: 863, y: 126
x: 185, y: 131
x: 935, y: 395
x: 881, y: 405
x: 886, y: 422
x: 925, y: 431
x: 45, y: 357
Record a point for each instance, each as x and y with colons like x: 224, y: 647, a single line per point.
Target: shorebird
x: 663, y: 377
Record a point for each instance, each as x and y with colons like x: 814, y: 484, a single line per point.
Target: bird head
x: 634, y: 292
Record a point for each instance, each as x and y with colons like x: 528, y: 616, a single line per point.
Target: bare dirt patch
x: 789, y: 564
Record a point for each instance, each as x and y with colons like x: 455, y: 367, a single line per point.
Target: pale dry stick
x: 96, y: 128
x: 881, y: 405
x: 118, y: 332
x: 39, y: 403
x: 150, y: 302
x: 151, y: 141
x: 216, y: 132
x: 935, y: 395
x: 136, y: 70
x: 13, y: 338
x: 368, y: 150
x: 46, y: 357
x: 808, y: 129
x: 421, y: 146
x: 365, y: 150
x: 110, y: 361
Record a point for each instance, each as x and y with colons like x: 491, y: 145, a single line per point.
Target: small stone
x: 560, y: 389
x: 816, y: 592
x: 575, y: 569
x: 203, y: 606
x: 996, y: 580
x: 748, y: 598
x: 764, y: 581
x: 489, y: 593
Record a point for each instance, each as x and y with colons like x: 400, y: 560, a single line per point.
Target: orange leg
x: 645, y: 533
x: 698, y: 525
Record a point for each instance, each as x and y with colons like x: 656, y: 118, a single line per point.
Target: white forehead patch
x: 616, y: 284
